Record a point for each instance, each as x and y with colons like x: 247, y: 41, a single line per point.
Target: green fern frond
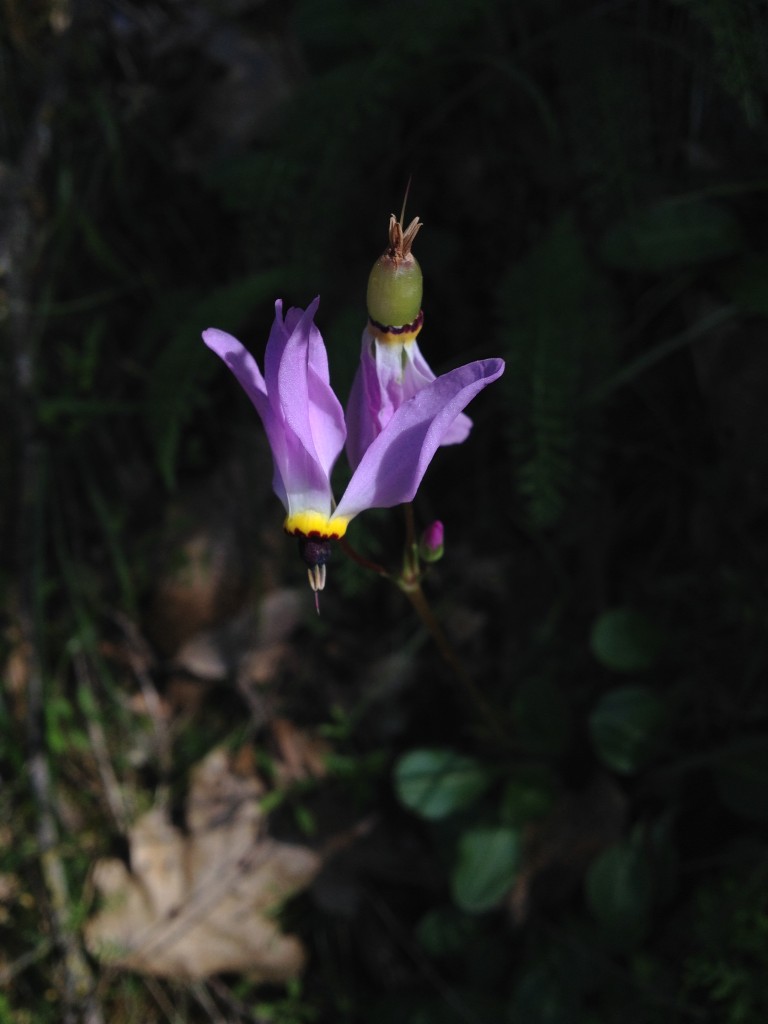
x: 555, y: 312
x: 737, y: 28
x: 181, y: 365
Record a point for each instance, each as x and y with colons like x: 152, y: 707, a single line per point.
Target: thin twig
x: 409, y: 581
x: 113, y: 792
x: 139, y: 657
x: 347, y: 548
x: 21, y: 963
x: 410, y: 584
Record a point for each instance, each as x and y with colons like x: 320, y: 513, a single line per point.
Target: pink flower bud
x: 431, y: 543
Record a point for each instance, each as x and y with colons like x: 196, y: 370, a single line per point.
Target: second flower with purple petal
x: 392, y: 368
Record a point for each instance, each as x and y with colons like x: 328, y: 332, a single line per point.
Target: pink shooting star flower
x: 305, y: 427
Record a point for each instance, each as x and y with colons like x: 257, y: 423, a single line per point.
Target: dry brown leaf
x: 250, y: 642
x: 198, y: 903
x: 301, y: 755
x: 16, y: 672
x: 9, y: 887
x: 159, y: 708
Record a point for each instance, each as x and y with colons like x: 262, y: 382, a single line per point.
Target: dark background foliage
x: 591, y: 177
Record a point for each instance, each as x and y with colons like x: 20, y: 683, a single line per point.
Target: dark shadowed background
x: 573, y: 827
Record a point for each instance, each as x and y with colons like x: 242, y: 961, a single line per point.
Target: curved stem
x: 410, y: 526
x: 366, y: 563
x: 409, y: 582
x: 421, y: 605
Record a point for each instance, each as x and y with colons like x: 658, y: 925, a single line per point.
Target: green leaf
x: 625, y: 727
x: 672, y: 234
x: 305, y: 819
x: 625, y: 640
x: 619, y: 891
x: 436, y: 782
x: 543, y: 996
x: 59, y: 716
x: 444, y: 931
x: 486, y: 866
x: 543, y: 715
x: 87, y: 702
x: 741, y: 777
x: 528, y: 796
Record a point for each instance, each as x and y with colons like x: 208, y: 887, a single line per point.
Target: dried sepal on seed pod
x: 395, y: 285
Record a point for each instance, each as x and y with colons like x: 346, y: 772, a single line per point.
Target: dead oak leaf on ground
x: 301, y: 754
x: 252, y: 640
x: 201, y: 902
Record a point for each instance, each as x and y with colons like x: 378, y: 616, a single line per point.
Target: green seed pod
x: 395, y: 284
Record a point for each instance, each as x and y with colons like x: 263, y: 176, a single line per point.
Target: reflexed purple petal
x: 325, y: 412
x: 240, y: 361
x: 387, y: 377
x: 458, y: 430
x: 307, y: 485
x: 326, y: 419
x: 318, y: 357
x: 243, y: 365
x: 302, y: 417
x: 417, y: 372
x: 310, y: 408
x: 278, y: 335
x: 393, y: 466
x: 364, y: 405
x: 461, y: 426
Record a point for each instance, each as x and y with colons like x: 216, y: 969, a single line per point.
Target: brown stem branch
x: 409, y: 581
x: 366, y: 563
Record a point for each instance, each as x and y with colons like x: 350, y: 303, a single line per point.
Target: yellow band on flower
x: 396, y: 335
x: 315, y: 524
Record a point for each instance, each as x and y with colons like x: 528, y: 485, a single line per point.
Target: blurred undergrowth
x: 591, y: 179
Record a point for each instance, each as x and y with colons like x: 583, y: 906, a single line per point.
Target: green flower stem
x: 409, y: 582
x: 418, y: 599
